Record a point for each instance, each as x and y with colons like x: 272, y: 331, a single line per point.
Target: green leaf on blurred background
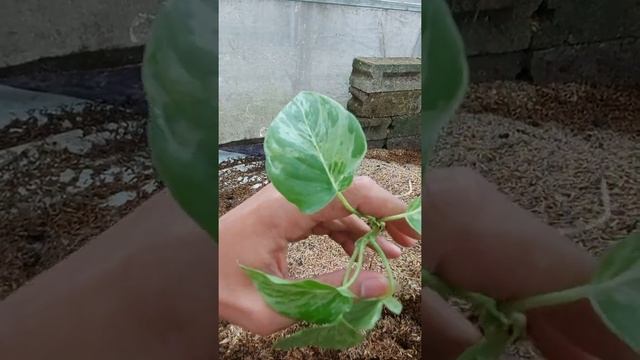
x: 445, y: 72
x: 364, y: 314
x: 338, y: 335
x: 180, y: 80
x: 615, y: 292
x: 313, y: 149
x: 306, y: 300
x: 414, y: 214
x: 393, y: 305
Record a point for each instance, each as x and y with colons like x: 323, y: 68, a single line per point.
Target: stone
x: 128, y: 175
x: 150, y: 187
x: 376, y: 128
x: 407, y: 142
x: 72, y: 141
x: 385, y: 74
x: 507, y: 66
x: 108, y: 176
x: 84, y: 179
x: 119, y: 199
x: 607, y: 63
x: 570, y: 22
x: 67, y: 176
x: 384, y: 104
x: 406, y: 125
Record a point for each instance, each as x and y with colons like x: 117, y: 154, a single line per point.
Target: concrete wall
x: 272, y: 49
x: 33, y: 29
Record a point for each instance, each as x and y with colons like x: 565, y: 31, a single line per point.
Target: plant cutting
x: 614, y: 291
x: 313, y: 149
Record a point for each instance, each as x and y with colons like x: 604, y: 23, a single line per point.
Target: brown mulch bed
x: 395, y: 337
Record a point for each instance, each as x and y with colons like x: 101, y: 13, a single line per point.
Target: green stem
x: 357, y: 272
x: 349, y: 268
x: 394, y: 217
x: 550, y: 299
x: 477, y: 300
x: 348, y: 206
x: 387, y: 267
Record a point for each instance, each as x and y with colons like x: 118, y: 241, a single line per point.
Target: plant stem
x: 349, y: 268
x: 549, y: 299
x: 357, y: 271
x: 394, y: 217
x: 348, y: 206
x: 477, y: 300
x: 387, y: 267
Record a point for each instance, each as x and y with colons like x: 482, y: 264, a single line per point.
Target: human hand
x: 257, y: 233
x: 480, y: 241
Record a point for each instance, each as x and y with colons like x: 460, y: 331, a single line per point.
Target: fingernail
x: 373, y: 287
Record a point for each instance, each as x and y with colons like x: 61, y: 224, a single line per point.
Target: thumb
x: 369, y: 284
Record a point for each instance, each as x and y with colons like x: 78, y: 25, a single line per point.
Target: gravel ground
x: 395, y: 337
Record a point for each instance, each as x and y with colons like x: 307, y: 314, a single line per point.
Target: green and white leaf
x: 445, y: 74
x: 615, y: 294
x: 414, y: 214
x: 306, y: 300
x: 181, y: 85
x: 338, y: 335
x: 393, y: 305
x: 364, y: 314
x: 313, y: 148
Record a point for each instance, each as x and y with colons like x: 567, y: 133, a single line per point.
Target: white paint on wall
x: 272, y: 49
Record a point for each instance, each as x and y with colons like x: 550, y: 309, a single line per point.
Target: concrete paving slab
x: 227, y: 155
x: 19, y: 103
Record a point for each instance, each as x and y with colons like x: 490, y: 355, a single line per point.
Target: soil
x: 395, y: 337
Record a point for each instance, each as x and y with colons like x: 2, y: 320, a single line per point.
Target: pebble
x: 67, y: 175
x: 84, y: 179
x: 128, y: 175
x: 119, y: 199
x: 150, y: 187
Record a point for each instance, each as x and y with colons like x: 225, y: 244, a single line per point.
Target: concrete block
x: 607, y: 63
x: 373, y: 75
x: 406, y: 125
x: 563, y: 22
x: 493, y: 67
x: 376, y: 144
x: 495, y: 31
x: 407, y: 142
x: 376, y: 128
x: 384, y: 104
x: 478, y: 5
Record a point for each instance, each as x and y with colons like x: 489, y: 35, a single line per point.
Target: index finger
x: 369, y: 198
